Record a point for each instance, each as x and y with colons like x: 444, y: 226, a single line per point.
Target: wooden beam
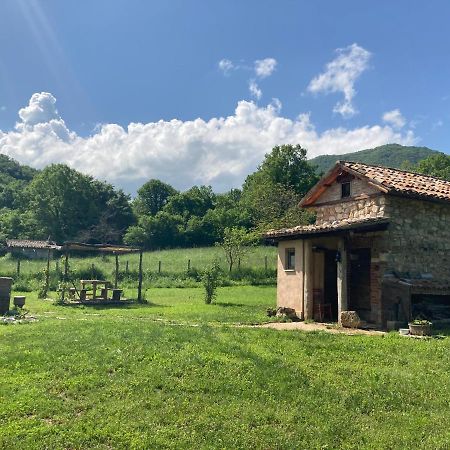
x: 139, y: 299
x: 308, y: 280
x: 117, y: 271
x: 342, y: 278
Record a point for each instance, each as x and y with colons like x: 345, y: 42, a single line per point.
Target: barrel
x: 5, y: 294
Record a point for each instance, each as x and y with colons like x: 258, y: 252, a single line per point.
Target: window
x: 345, y: 190
x: 290, y: 259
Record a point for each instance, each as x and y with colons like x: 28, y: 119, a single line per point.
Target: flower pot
x: 19, y: 301
x: 420, y: 329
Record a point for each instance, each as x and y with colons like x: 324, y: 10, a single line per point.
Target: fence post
x: 189, y: 265
x: 239, y: 263
x: 47, y: 273
x: 159, y: 266
x: 139, y: 299
x: 117, y: 271
x: 18, y: 267
x: 126, y: 267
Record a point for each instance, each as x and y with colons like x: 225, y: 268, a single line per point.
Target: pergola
x: 114, y: 249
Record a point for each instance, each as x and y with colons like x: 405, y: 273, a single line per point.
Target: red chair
x: 322, y: 310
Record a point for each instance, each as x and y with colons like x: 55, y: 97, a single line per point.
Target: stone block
x: 350, y: 319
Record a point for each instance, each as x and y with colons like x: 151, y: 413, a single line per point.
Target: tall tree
x: 272, y: 193
x: 152, y: 197
x: 62, y: 201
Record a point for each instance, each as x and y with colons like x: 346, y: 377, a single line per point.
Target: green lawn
x: 172, y: 261
x: 178, y: 374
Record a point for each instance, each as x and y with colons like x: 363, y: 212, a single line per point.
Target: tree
x: 435, y: 165
x: 196, y: 201
x: 62, y: 202
x: 152, y: 197
x: 236, y: 244
x: 272, y: 193
x: 287, y: 166
x: 161, y: 231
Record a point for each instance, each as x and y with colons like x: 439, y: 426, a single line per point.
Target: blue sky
x: 333, y: 76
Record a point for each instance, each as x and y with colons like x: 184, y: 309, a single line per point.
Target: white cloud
x: 254, y: 89
x: 340, y: 75
x: 226, y: 66
x: 394, y: 118
x: 265, y: 67
x: 221, y: 151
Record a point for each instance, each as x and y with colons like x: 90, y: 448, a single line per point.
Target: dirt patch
x: 302, y: 326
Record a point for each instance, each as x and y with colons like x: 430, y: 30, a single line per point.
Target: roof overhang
x: 328, y: 179
x: 334, y: 229
x: 102, y: 248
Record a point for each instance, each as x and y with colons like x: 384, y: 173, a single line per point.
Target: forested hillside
x: 390, y: 155
x: 65, y: 204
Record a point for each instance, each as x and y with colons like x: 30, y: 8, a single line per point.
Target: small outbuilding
x: 380, y: 246
x: 31, y: 249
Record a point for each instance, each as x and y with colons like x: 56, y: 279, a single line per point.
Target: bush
x: 210, y: 280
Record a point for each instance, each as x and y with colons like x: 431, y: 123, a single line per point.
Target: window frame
x: 349, y: 194
x: 289, y: 259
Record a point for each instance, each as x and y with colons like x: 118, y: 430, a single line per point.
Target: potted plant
x: 420, y: 327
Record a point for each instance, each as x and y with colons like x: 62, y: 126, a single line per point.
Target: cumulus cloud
x: 265, y: 67
x: 394, y: 118
x: 226, y: 66
x: 221, y: 151
x: 340, y: 75
x: 255, y: 91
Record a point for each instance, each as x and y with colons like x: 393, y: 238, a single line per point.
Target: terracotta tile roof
x: 402, y: 182
x: 25, y: 243
x: 345, y: 224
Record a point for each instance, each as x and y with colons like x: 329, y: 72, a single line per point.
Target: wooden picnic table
x: 95, y: 283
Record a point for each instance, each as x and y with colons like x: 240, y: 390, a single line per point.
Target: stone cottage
x: 380, y: 246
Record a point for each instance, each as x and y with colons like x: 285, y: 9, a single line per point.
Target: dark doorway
x: 330, y: 283
x: 359, y: 298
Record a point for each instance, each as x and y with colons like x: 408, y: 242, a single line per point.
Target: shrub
x: 210, y: 280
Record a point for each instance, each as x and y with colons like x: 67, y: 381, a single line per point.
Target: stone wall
x: 417, y: 241
x: 372, y: 207
x: 357, y: 188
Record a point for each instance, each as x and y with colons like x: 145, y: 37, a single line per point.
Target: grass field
x: 177, y: 373
x: 257, y: 267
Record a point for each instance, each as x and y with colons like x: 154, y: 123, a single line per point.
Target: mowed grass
x: 179, y: 374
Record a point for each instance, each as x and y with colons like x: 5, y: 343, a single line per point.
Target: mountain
x: 390, y: 155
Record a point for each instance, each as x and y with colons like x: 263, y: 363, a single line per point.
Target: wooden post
x: 66, y: 274
x: 265, y: 263
x: 309, y: 281
x: 189, y: 265
x: 159, y: 266
x: 117, y: 271
x: 126, y: 267
x: 18, y: 267
x: 239, y: 264
x: 47, y: 273
x: 139, y: 298
x: 342, y: 278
